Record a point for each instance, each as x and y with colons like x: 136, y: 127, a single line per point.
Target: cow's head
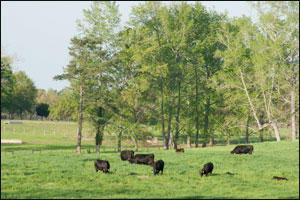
x: 201, y: 173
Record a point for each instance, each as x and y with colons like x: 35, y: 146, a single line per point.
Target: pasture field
x: 58, y: 172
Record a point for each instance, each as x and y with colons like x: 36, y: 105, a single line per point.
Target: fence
x: 69, y: 133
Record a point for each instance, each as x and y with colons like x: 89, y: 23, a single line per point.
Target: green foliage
x: 7, y: 84
x: 66, y: 107
x: 42, y: 110
x: 199, y: 71
x: 24, y: 95
x: 49, y: 97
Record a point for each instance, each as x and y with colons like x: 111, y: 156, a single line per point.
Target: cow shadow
x: 213, y: 174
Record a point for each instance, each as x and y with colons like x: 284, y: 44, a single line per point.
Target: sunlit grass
x: 61, y: 173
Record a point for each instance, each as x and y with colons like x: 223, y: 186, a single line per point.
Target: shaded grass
x: 62, y: 174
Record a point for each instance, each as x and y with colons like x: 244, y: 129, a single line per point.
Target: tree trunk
x: 171, y: 144
x: 97, y: 148
x: 247, y: 130
x: 261, y: 136
x: 228, y: 140
x: 119, y: 141
x: 196, y: 107
x: 136, y: 146
x: 206, y: 122
x: 79, y: 121
x: 170, y: 119
x: 188, y: 141
x: 211, y: 140
x: 276, y: 131
x: 162, y: 113
x: 293, y: 115
x: 177, y: 117
x: 120, y: 134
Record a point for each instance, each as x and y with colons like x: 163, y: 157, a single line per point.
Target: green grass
x: 60, y: 173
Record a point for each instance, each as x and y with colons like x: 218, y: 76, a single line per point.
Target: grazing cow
x: 207, y: 168
x: 127, y: 154
x: 180, y: 150
x: 279, y: 178
x: 102, y: 165
x: 158, y: 166
x: 243, y: 149
x: 146, y: 159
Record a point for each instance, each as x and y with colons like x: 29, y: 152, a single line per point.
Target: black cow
x: 102, y: 165
x: 126, y: 154
x: 158, y: 166
x: 207, y: 168
x: 243, y: 149
x: 146, y: 159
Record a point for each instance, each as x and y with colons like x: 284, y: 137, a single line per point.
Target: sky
x: 37, y: 33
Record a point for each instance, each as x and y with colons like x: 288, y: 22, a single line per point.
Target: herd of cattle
x: 158, y: 166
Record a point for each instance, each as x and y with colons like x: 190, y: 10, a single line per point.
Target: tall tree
x: 76, y: 73
x: 100, y: 25
x: 24, y: 95
x: 242, y: 72
x: 7, y: 84
x: 148, y: 17
x: 279, y: 23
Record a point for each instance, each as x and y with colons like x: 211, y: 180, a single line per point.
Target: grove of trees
x: 178, y: 68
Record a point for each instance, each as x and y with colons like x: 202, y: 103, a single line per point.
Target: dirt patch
x: 11, y: 141
x: 143, y: 176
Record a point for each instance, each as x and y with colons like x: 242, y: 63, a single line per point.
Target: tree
x: 42, y: 109
x: 77, y: 75
x: 49, y: 97
x: 279, y: 23
x: 242, y: 72
x: 66, y: 107
x: 24, y: 95
x: 99, y: 27
x: 147, y: 17
x: 7, y: 84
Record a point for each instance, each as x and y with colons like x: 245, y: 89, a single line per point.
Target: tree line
x: 183, y: 69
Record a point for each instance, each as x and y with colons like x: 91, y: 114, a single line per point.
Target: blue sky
x: 37, y: 33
